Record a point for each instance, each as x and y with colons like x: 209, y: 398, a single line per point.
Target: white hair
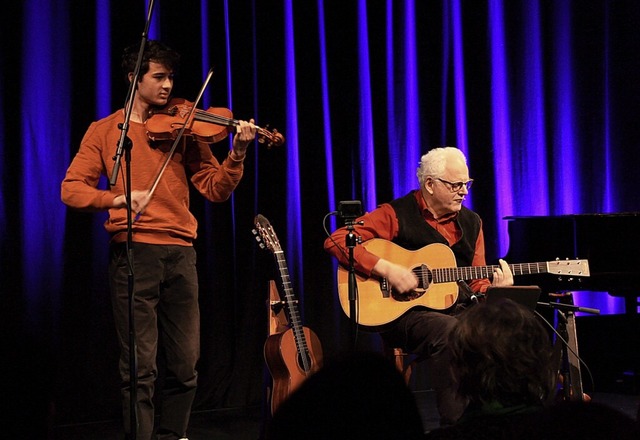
x: 434, y: 163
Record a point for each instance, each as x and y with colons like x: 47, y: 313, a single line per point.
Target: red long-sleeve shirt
x: 383, y: 223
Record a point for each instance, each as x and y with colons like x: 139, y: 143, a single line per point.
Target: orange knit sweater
x: 167, y: 219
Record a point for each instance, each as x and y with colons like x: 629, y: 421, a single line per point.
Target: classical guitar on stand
x: 435, y: 267
x: 294, y: 354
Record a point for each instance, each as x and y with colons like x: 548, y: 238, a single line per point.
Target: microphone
x: 589, y: 310
x: 349, y: 210
x: 570, y: 307
x: 470, y: 294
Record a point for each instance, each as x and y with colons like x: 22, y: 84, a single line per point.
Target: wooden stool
x: 398, y: 357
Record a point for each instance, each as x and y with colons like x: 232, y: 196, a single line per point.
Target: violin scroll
x: 271, y: 138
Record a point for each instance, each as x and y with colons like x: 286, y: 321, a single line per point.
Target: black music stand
x: 525, y: 295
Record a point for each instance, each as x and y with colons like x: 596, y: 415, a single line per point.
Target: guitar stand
x: 278, y: 321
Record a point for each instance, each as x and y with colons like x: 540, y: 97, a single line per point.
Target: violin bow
x: 178, y: 138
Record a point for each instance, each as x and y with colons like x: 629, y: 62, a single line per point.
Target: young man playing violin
x: 164, y: 260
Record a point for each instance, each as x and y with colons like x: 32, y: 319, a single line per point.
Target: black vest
x: 414, y: 232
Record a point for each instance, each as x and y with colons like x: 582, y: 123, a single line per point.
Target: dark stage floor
x: 246, y: 424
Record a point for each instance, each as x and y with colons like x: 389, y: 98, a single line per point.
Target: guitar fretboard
x: 451, y: 274
x: 292, y: 310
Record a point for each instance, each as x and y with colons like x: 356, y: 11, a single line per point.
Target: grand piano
x: 610, y: 242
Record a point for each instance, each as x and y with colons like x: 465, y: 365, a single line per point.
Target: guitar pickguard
x: 403, y: 297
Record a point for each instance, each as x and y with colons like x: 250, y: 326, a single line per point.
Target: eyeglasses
x: 455, y: 187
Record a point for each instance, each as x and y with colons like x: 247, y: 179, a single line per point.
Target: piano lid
x: 610, y: 242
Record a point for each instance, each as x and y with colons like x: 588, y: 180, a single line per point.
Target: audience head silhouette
x: 355, y: 396
x: 502, y: 358
x: 502, y: 355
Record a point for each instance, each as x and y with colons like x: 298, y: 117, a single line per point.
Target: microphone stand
x: 349, y: 211
x: 125, y: 145
x: 351, y: 241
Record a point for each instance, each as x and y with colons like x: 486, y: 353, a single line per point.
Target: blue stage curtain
x: 541, y: 96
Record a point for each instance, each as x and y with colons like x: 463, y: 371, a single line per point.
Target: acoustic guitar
x: 296, y: 353
x: 435, y: 267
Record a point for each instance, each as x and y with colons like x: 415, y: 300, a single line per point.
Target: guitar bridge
x: 385, y: 288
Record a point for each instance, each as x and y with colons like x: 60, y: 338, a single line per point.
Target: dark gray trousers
x: 425, y: 334
x: 166, y: 312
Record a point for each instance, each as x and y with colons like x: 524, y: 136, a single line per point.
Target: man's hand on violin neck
x: 245, y: 134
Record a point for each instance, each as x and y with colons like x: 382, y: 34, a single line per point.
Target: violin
x: 210, y: 126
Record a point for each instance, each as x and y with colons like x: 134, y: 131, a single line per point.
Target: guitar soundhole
x: 424, y: 276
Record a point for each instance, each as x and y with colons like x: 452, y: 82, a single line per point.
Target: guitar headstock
x: 574, y: 268
x: 265, y: 235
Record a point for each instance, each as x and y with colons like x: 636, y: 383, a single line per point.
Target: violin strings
x: 209, y: 117
x: 205, y: 116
